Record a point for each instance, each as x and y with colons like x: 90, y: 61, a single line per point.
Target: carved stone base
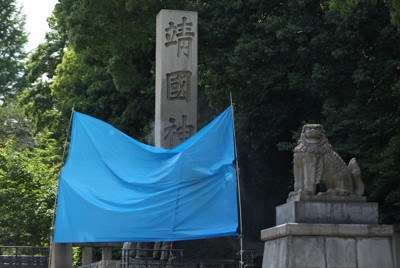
x: 327, y: 212
x: 295, y: 245
x: 323, y: 197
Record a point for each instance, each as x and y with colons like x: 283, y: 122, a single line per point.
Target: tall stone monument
x: 176, y: 84
x: 176, y: 77
x: 333, y: 229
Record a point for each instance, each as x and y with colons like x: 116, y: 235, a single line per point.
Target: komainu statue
x: 315, y: 161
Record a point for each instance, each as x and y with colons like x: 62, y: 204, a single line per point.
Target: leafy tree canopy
x: 12, y: 40
x: 296, y: 62
x: 347, y: 6
x: 27, y: 191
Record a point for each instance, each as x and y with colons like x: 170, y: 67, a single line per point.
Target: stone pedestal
x: 327, y: 212
x: 61, y: 255
x: 397, y: 243
x: 304, y: 245
x: 106, y: 253
x: 323, y: 233
x: 87, y: 253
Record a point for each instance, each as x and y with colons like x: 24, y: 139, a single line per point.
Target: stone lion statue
x: 315, y: 161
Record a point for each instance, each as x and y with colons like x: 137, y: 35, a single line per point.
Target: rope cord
x: 238, y: 185
x: 68, y: 132
x: 56, y: 187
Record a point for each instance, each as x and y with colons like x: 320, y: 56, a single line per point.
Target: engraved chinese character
x: 181, y: 35
x: 185, y: 131
x: 185, y: 37
x: 178, y: 85
x: 182, y: 132
x: 170, y: 34
x: 170, y: 132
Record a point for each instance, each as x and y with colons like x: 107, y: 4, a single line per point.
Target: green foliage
x: 15, y: 125
x: 85, y: 87
x: 112, y: 51
x: 12, y: 40
x: 394, y: 7
x: 361, y: 115
x: 345, y: 7
x: 76, y: 257
x: 263, y: 55
x: 27, y: 191
x: 296, y: 62
x: 37, y: 100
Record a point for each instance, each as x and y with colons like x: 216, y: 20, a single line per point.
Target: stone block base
x: 295, y: 245
x: 103, y: 264
x: 327, y: 212
x: 61, y: 255
x: 324, y: 197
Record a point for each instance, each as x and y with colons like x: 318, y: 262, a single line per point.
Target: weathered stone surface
x: 275, y: 254
x: 104, y: 264
x: 61, y: 255
x: 315, y: 161
x: 87, y: 255
x: 176, y: 77
x: 176, y: 84
x: 310, y: 252
x: 327, y: 212
x: 99, y: 244
x: 396, y: 228
x: 326, y: 198
x: 340, y: 252
x: 328, y: 246
x: 345, y: 230
x: 375, y: 252
x: 106, y: 253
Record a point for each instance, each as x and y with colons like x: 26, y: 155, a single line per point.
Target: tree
x: 117, y: 66
x: 39, y: 103
x: 291, y: 62
x: 29, y: 160
x: 12, y: 40
x: 263, y: 55
x: 362, y: 114
x: 27, y: 191
x: 345, y: 7
x: 15, y: 125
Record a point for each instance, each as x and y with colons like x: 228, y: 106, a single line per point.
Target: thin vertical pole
x: 238, y: 185
x: 55, y: 199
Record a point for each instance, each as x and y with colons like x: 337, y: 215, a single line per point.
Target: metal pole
x: 238, y: 185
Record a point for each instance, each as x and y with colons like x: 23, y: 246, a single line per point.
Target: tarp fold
x: 114, y: 188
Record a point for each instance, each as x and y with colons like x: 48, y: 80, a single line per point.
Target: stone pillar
x: 176, y: 77
x: 87, y: 254
x: 106, y: 253
x: 328, y: 232
x: 176, y: 84
x: 61, y: 255
x: 140, y: 252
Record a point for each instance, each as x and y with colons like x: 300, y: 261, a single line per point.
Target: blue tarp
x: 114, y: 188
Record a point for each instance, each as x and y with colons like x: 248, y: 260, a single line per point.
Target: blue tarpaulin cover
x: 114, y: 188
